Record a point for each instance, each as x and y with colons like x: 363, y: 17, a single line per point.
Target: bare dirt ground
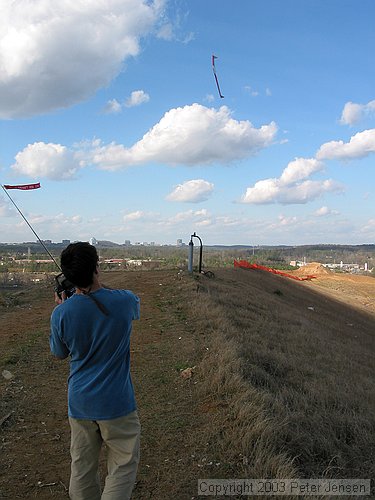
x: 34, y: 432
x: 355, y: 290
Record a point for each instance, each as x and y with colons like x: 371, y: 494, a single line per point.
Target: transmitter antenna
x: 32, y: 229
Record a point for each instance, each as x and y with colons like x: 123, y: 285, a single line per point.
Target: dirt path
x: 35, y: 434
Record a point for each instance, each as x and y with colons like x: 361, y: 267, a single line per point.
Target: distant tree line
x: 172, y: 256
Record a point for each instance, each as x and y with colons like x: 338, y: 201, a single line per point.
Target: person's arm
x: 57, y: 346
x: 136, y: 307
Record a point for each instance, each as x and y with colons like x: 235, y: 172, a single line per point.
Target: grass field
x: 292, y: 371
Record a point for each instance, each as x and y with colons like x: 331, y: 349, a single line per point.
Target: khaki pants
x: 122, y: 436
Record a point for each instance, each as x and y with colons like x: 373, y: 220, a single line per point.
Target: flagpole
x: 27, y: 222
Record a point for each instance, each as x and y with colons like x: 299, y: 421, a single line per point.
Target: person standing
x: 93, y: 327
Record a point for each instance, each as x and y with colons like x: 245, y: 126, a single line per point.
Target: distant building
x: 114, y: 261
x: 179, y: 243
x: 93, y: 241
x: 134, y: 262
x: 127, y: 243
x: 297, y: 263
x: 65, y: 242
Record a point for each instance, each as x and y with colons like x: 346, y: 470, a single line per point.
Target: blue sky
x: 112, y: 106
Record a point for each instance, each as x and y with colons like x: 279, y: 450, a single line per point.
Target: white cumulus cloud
x: 52, y: 161
x: 324, y: 211
x: 55, y: 220
x: 190, y: 135
x: 271, y: 191
x: 300, y: 168
x: 287, y: 221
x: 359, y: 146
x: 136, y: 98
x: 354, y: 113
x: 133, y: 216
x: 293, y: 186
x: 55, y: 54
x: 112, y: 107
x: 190, y: 216
x: 193, y: 191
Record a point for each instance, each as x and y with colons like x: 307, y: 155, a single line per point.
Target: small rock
x: 7, y: 374
x: 188, y: 373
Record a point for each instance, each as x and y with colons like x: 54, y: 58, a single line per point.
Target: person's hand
x: 60, y: 300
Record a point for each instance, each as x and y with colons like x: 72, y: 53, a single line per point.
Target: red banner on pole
x: 24, y: 187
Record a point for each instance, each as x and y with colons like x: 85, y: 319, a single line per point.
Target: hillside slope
x: 304, y: 352
x: 282, y: 385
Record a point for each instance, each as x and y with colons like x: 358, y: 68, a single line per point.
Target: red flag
x: 24, y: 187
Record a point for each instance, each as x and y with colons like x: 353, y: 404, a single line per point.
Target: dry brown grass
x: 290, y: 374
x: 282, y: 391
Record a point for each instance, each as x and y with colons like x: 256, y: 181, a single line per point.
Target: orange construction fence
x: 247, y: 265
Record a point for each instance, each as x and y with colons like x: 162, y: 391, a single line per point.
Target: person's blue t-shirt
x: 99, y: 384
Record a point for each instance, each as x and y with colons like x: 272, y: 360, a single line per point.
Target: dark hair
x: 78, y: 263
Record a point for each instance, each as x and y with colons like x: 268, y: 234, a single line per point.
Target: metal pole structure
x: 190, y: 261
x: 200, y: 252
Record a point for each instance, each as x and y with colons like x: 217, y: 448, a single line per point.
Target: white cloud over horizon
x: 139, y: 221
x: 193, y: 135
x: 286, y: 221
x: 52, y: 161
x: 58, y: 220
x: 360, y: 145
x: 299, y: 169
x: 189, y: 135
x: 215, y: 228
x: 354, y: 113
x: 293, y: 186
x: 55, y: 55
x: 188, y: 215
x: 325, y: 211
x: 209, y: 225
x: 193, y: 191
x: 270, y: 191
x: 134, y: 216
